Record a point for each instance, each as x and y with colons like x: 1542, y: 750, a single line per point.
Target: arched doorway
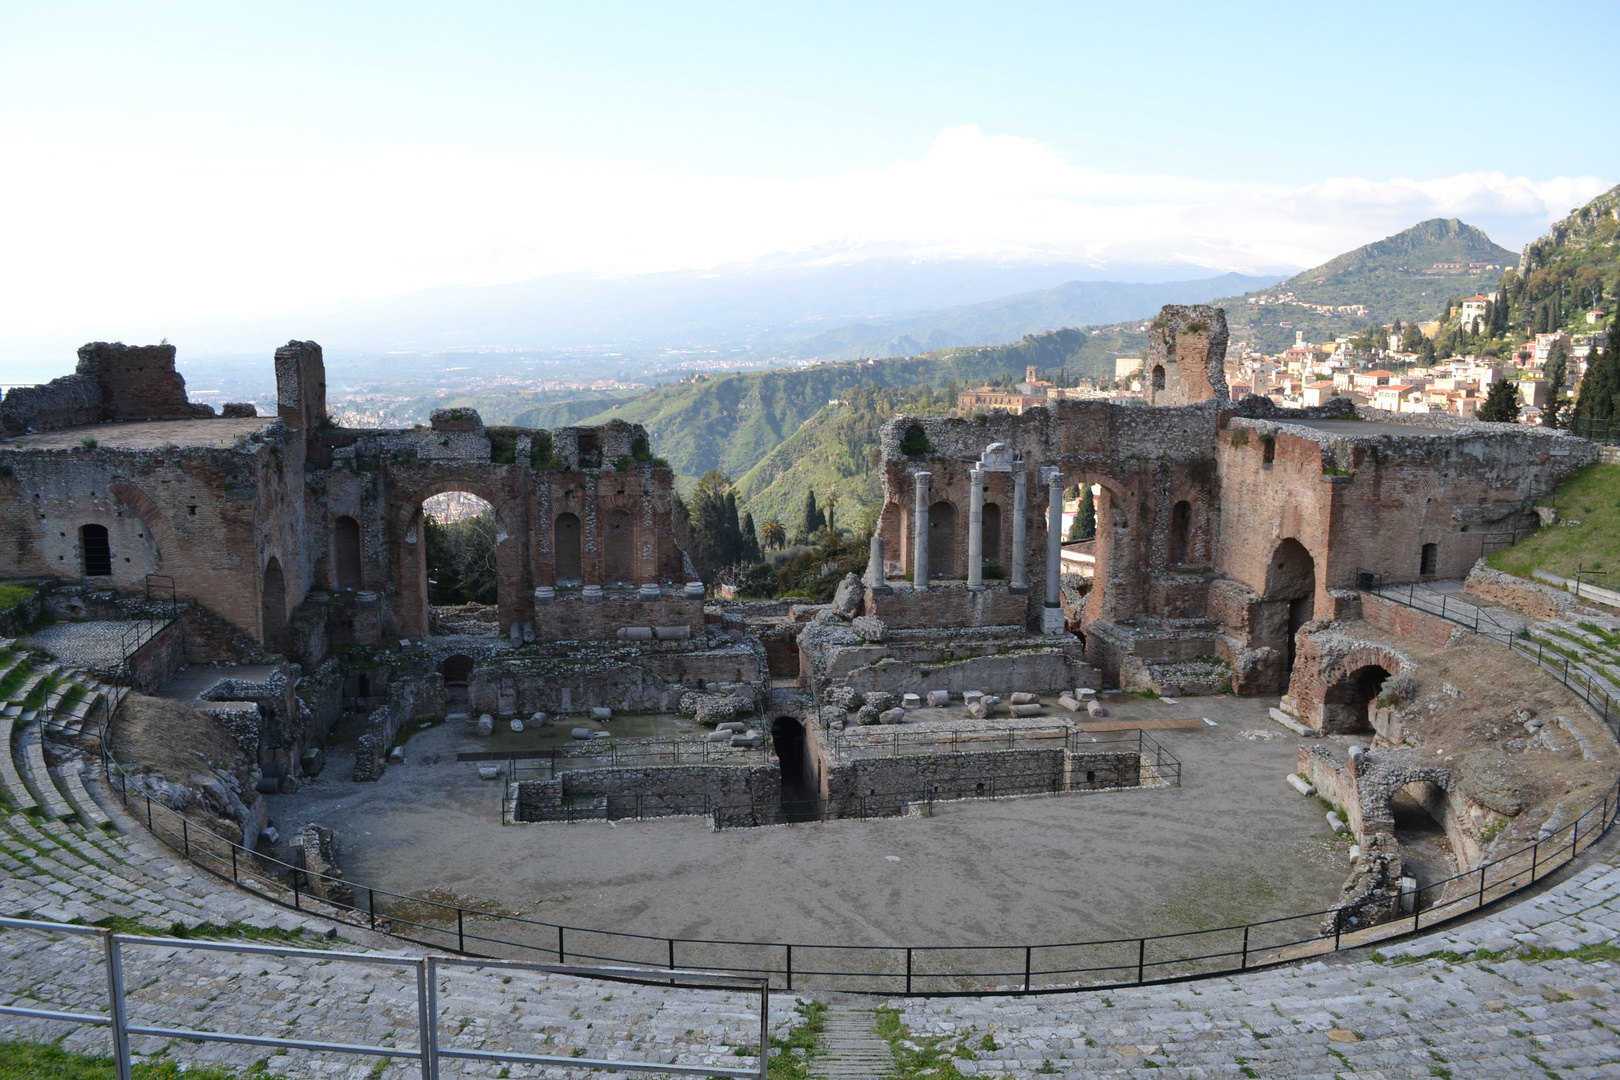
x: 1345, y: 701
x: 1180, y: 532
x: 942, y: 540
x: 1158, y: 377
x: 273, y: 607
x: 1291, y: 577
x: 566, y: 533
x: 800, y: 791
x: 1429, y: 561
x: 96, y: 550
x: 346, y: 553
x: 460, y: 533
x: 618, y: 547
x: 457, y: 672
x: 992, y: 534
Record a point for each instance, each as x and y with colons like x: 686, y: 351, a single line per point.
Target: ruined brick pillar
x: 919, y: 538
x: 301, y: 385
x: 975, y: 568
x: 1052, y: 613
x: 1020, y: 539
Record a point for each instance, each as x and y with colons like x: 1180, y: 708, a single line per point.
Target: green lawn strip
x: 12, y: 595
x: 1592, y: 498
x: 1586, y: 954
x: 21, y: 1060
x: 236, y: 931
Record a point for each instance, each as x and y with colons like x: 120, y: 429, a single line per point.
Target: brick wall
x: 1406, y: 622
x: 949, y: 605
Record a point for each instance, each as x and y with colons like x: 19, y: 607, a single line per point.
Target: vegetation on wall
x: 461, y: 559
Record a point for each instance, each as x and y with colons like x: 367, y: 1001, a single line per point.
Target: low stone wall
x: 1406, y: 622
x: 948, y: 606
x: 737, y: 795
x: 997, y: 673
x: 1496, y: 587
x: 570, y: 618
x: 14, y: 620
x: 884, y: 785
x: 153, y: 663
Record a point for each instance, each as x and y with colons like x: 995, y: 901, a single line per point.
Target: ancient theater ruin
x: 276, y: 571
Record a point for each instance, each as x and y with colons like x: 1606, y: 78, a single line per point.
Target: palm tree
x: 774, y: 534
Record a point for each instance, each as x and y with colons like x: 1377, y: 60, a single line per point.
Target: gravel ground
x: 1232, y: 843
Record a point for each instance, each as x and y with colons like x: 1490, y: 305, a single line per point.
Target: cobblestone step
x: 851, y: 1046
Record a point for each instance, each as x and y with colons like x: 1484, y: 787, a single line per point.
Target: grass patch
x: 931, y: 1056
x: 20, y: 1060
x: 1591, y: 497
x: 236, y: 931
x: 13, y: 681
x: 805, y: 1036
x: 12, y: 595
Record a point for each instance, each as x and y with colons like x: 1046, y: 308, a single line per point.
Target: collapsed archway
x: 1419, y: 810
x: 273, y: 607
x: 1345, y: 701
x: 1291, y: 577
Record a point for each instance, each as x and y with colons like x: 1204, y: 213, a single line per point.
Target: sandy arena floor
x: 1233, y: 843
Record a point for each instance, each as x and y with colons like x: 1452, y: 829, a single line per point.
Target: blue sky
x: 230, y: 159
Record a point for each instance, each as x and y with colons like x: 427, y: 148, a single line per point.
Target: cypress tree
x: 1501, y: 404
x: 1084, y: 525
x: 750, y: 538
x: 812, y: 515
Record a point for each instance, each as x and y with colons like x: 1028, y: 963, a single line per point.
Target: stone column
x: 1020, y: 537
x: 975, y: 574
x: 1052, y: 613
x: 874, y: 563
x: 919, y: 529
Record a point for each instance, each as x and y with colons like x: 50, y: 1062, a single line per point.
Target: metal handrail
x: 894, y: 969
x: 429, y: 1051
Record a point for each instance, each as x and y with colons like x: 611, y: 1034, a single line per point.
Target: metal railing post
x: 789, y: 966
x: 1141, y: 957
x: 427, y: 1016
x: 560, y: 953
x: 1027, y: 951
x: 461, y: 933
x: 1481, y: 902
x: 185, y: 838
x: 908, y: 969
x: 117, y: 1018
x: 1245, y: 964
x: 764, y: 1028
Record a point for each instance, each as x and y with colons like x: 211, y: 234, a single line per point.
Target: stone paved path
x: 852, y: 1047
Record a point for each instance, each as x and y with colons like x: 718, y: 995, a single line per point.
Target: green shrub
x: 915, y: 443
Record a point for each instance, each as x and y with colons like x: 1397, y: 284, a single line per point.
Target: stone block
x: 1094, y: 708
x: 939, y: 698
x: 1019, y: 697
x: 486, y: 724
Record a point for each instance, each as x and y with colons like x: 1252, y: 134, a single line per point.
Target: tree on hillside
x: 774, y: 533
x: 1600, y: 386
x: 1084, y: 525
x: 1501, y: 404
x: 715, y: 538
x: 751, y: 549
x: 813, y: 521
x: 1412, y: 338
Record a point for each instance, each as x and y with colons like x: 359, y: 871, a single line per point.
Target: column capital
x: 1051, y: 474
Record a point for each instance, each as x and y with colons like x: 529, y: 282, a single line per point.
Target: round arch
x: 405, y: 521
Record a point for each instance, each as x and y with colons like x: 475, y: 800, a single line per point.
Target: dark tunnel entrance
x: 800, y: 791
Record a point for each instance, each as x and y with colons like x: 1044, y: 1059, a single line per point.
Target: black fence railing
x: 935, y: 970
x: 1589, y: 684
x: 1603, y: 430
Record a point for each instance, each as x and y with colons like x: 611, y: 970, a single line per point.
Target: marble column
x: 919, y: 529
x: 1052, y: 614
x: 874, y: 563
x: 1020, y: 537
x: 975, y: 573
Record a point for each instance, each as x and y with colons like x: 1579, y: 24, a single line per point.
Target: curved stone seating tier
x: 71, y: 781
x: 31, y: 744
x: 17, y: 794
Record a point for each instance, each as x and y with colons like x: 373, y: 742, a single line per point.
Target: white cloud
x: 96, y: 238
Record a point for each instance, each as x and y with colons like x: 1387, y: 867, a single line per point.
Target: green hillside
x: 731, y: 422
x: 834, y: 453
x: 1394, y: 278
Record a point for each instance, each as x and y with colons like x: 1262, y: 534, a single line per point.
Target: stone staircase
x: 851, y: 1048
